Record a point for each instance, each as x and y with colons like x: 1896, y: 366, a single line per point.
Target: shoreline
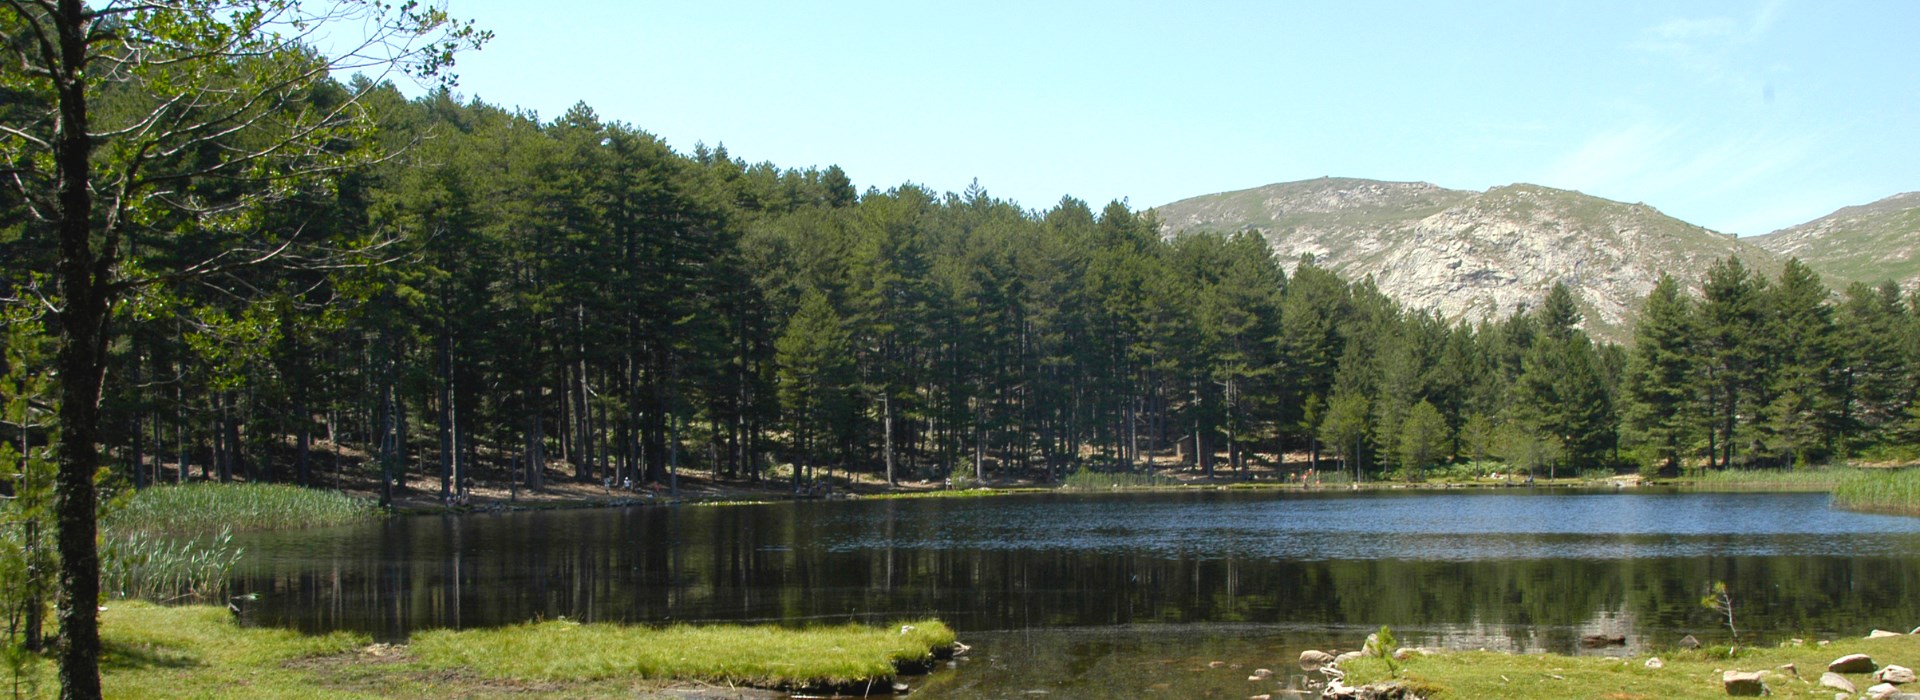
x: 1798, y: 668
x: 735, y: 494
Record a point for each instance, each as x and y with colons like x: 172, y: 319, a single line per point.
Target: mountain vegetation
x: 1474, y: 256
x: 1871, y: 243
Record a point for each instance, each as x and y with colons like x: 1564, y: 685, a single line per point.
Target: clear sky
x: 1739, y: 116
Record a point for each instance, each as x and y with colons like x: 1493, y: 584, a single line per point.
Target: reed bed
x: 1811, y: 479
x: 209, y: 508
x: 1085, y: 480
x: 1895, y: 491
x: 159, y: 568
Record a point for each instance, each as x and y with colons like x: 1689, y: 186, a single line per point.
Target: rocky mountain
x: 1870, y: 243
x: 1473, y: 255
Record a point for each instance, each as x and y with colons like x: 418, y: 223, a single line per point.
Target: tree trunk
x: 82, y: 354
x: 886, y: 426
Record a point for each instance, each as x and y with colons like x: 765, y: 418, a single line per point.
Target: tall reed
x: 159, y: 568
x: 208, y: 508
x: 1895, y: 491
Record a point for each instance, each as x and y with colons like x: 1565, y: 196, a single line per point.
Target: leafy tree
x: 224, y: 92
x: 1423, y: 438
x: 1346, y: 428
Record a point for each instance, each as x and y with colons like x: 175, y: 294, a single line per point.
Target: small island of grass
x: 155, y: 651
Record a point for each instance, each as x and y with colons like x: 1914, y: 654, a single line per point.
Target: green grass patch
x: 1895, y: 491
x: 207, y: 508
x: 1685, y: 674
x: 154, y: 651
x: 763, y: 656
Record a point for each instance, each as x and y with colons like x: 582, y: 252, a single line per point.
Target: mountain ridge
x: 1473, y: 254
x: 1869, y: 243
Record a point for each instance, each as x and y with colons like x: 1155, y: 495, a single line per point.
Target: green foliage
x: 1423, y: 438
x: 27, y: 559
x: 1381, y: 645
x: 1346, y: 426
x: 1720, y: 602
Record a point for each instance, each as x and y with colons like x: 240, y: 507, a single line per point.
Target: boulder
x: 1655, y: 662
x: 1853, y: 663
x: 1883, y: 691
x: 1404, y: 653
x: 1877, y: 634
x: 1744, y: 684
x: 1313, y: 659
x: 1260, y: 674
x: 1689, y: 642
x: 1596, y: 641
x: 1894, y: 674
x: 1349, y: 656
x: 1837, y: 682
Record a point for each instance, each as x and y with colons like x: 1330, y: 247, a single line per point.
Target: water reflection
x: 1508, y: 570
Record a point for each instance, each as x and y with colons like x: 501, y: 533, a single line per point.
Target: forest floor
x: 1792, y: 670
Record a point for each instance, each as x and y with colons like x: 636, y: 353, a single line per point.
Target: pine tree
x: 1660, y: 378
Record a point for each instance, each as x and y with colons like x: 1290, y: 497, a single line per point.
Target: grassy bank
x: 209, y: 507
x: 1814, y: 479
x: 1895, y: 491
x: 1684, y: 675
x: 173, y: 652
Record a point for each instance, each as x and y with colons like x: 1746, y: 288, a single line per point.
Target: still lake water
x: 1084, y: 595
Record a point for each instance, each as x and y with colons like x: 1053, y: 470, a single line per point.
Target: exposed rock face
x: 1870, y: 243
x: 1473, y: 255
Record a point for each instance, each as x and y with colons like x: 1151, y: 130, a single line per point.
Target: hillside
x: 1869, y: 243
x: 1469, y: 254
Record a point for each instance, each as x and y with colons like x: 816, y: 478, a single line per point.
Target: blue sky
x: 1739, y: 116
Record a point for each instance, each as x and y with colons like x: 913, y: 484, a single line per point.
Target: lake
x: 1079, y: 595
